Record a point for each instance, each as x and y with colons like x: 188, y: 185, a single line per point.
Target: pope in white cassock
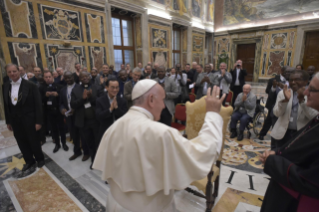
x: 145, y: 161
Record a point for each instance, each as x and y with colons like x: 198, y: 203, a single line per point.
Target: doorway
x: 311, y: 55
x: 246, y: 53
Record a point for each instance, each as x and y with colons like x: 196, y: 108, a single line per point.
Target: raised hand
x: 213, y: 102
x: 287, y: 93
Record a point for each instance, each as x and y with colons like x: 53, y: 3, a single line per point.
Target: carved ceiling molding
x: 128, y: 6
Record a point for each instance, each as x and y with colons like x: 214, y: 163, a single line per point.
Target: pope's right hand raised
x: 213, y: 102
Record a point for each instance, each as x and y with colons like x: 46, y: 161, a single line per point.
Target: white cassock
x: 144, y: 161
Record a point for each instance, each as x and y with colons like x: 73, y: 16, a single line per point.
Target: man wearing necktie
x: 291, y: 109
x: 23, y: 111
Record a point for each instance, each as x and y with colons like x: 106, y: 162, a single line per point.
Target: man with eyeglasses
x: 291, y: 108
x: 128, y: 87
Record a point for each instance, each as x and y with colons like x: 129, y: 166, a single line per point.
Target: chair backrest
x: 180, y: 112
x: 195, y: 115
x: 229, y: 98
x: 192, y: 97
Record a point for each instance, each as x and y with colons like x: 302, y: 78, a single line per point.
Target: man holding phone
x: 238, y: 79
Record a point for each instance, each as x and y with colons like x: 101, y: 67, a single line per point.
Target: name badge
x: 87, y: 105
x: 49, y: 102
x: 291, y: 119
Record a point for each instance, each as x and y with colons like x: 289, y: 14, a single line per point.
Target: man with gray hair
x: 222, y: 78
x: 245, y: 105
x: 128, y: 86
x: 153, y: 160
x: 171, y: 91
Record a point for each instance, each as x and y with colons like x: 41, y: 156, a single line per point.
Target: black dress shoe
x: 65, y: 147
x: 85, y: 157
x: 73, y: 157
x: 261, y: 137
x: 40, y: 163
x: 56, y: 148
x: 240, y: 137
x: 27, y: 166
x: 233, y: 133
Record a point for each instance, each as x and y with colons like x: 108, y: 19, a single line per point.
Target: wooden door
x: 246, y: 53
x: 311, y: 55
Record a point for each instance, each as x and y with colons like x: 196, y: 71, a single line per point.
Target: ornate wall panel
x: 25, y: 54
x: 94, y: 28
x: 60, y: 24
x: 222, y: 50
x: 60, y: 56
x: 198, y: 42
x: 160, y: 44
x: 97, y: 56
x: 18, y: 18
x: 277, y: 51
x: 50, y: 33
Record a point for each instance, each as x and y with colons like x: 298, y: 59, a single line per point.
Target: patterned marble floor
x: 241, y: 182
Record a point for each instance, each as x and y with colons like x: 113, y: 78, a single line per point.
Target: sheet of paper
x: 191, y: 86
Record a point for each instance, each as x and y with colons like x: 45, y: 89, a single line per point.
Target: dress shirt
x: 15, y: 86
x: 294, y: 112
x: 237, y: 78
x: 25, y: 76
x: 68, y: 94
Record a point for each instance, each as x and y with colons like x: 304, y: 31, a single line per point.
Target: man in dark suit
x: 273, y: 86
x: 128, y: 87
x: 190, y: 76
x: 23, y: 111
x: 37, y: 72
x: 109, y: 107
x: 83, y: 100
x: 122, y: 80
x: 68, y: 112
x: 50, y: 99
x: 60, y: 80
x: 238, y: 79
x: 104, y: 75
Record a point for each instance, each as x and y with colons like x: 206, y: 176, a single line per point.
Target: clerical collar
x: 143, y: 110
x: 71, y: 86
x: 18, y: 82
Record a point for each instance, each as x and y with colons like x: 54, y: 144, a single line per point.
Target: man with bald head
x: 145, y: 161
x: 83, y: 100
x: 245, y: 105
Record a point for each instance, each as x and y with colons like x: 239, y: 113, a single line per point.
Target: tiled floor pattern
x: 241, y: 178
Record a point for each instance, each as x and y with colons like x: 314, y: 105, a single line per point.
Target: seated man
x: 245, y: 105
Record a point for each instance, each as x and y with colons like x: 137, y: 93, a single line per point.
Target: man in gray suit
x: 245, y: 105
x: 128, y: 86
x: 204, y: 81
x: 171, y: 93
x: 222, y: 78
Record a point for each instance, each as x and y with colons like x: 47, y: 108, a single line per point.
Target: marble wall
x: 50, y: 34
x: 278, y: 50
x: 160, y: 44
x: 198, y: 47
